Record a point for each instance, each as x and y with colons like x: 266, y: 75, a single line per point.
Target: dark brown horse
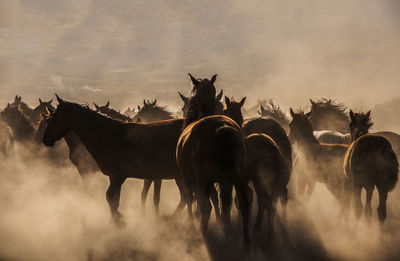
x: 26, y: 110
x: 326, y: 114
x: 370, y: 162
x: 274, y: 111
x: 266, y: 167
x: 211, y: 150
x: 322, y: 162
x: 185, y: 108
x: 121, y: 150
x: 35, y: 116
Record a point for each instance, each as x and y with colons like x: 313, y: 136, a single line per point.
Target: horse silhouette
x: 266, y: 167
x: 35, y: 116
x: 26, y: 110
x: 6, y: 139
x: 211, y: 150
x: 322, y: 162
x: 370, y: 162
x: 121, y: 150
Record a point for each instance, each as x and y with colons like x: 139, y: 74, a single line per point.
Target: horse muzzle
x: 48, y: 142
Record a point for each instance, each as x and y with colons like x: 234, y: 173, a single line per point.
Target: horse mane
x: 330, y: 105
x: 116, y: 115
x: 274, y: 111
x: 86, y: 109
x: 193, y: 111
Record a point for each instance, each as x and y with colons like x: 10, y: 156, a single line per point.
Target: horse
x: 211, y: 150
x: 266, y: 167
x: 35, y: 116
x: 129, y: 112
x: 186, y: 100
x: 26, y: 134
x: 326, y: 114
x: 22, y: 105
x: 110, y: 112
x: 274, y: 111
x: 322, y: 162
x: 254, y: 110
x: 121, y: 150
x: 332, y: 137
x: 370, y: 162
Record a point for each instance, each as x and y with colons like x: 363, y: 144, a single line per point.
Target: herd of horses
x: 213, y: 144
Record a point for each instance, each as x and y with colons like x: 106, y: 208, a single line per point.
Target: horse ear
x: 50, y: 101
x: 227, y: 101
x: 40, y: 100
x: 183, y: 97
x: 213, y: 78
x: 154, y: 102
x: 107, y: 104
x: 138, y: 107
x: 144, y: 102
x: 97, y: 106
x: 59, y: 99
x: 194, y: 81
x: 242, y: 101
x: 368, y: 114
x: 262, y: 109
x: 351, y: 114
x: 219, y: 96
x: 312, y: 102
x: 292, y: 113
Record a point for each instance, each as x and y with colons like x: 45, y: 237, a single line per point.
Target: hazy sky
x: 126, y: 50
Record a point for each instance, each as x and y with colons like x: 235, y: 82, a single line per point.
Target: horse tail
x: 229, y: 143
x: 392, y: 167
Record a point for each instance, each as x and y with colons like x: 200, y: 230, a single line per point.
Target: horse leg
x: 367, y: 207
x: 261, y: 206
x: 357, y: 200
x: 241, y: 190
x: 226, y: 200
x: 215, y: 202
x: 203, y: 199
x: 145, y: 191
x: 113, y: 195
x: 156, y: 196
x: 284, y: 200
x: 383, y: 193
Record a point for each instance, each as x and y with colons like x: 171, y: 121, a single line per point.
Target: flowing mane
x: 327, y: 114
x: 152, y: 112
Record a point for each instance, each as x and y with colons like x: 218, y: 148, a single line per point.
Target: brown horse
x: 121, y: 150
x: 266, y: 167
x: 326, y: 114
x: 323, y: 162
x: 274, y: 111
x: 211, y: 150
x: 369, y: 162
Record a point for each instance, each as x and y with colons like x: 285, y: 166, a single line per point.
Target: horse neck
x: 92, y: 130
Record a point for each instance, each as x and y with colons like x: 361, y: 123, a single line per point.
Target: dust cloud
x: 124, y: 51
